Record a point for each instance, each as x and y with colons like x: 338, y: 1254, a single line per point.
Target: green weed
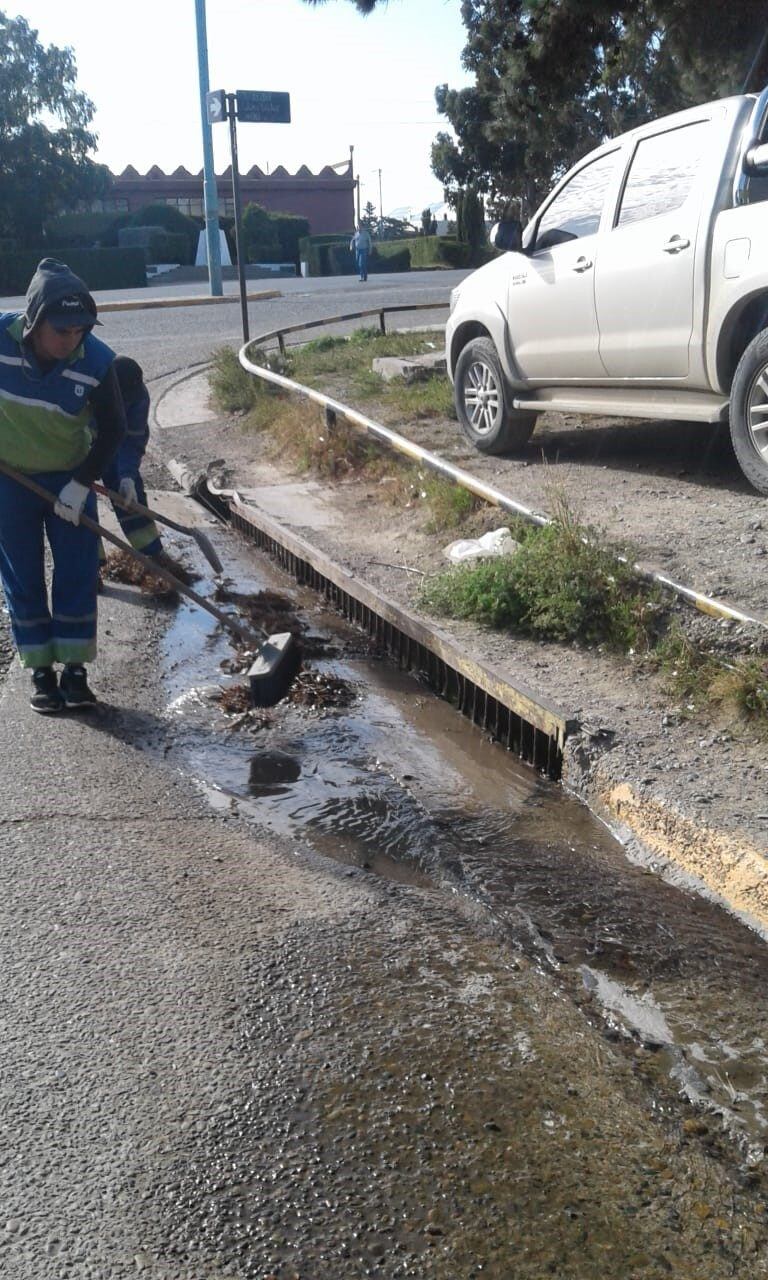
x: 232, y: 389
x: 450, y: 505
x: 561, y: 585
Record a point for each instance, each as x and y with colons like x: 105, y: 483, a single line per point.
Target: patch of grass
x: 339, y: 355
x: 562, y: 584
x: 744, y: 687
x: 235, y: 390
x: 232, y: 389
x: 432, y: 398
x: 700, y: 680
x: 449, y: 504
x: 300, y: 432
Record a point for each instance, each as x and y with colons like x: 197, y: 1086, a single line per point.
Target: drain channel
x: 512, y: 715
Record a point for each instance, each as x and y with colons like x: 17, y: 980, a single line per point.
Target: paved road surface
x: 164, y: 341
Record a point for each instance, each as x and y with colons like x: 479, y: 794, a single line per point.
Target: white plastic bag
x: 497, y: 542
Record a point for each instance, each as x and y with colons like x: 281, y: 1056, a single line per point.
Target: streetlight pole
x: 381, y: 208
x: 210, y: 194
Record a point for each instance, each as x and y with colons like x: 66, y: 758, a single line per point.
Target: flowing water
x: 400, y: 784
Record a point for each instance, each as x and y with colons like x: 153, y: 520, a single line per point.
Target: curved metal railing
x: 337, y: 409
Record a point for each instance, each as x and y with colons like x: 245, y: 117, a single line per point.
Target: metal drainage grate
x: 509, y: 714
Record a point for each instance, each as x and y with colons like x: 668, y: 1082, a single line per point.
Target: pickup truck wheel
x: 482, y: 401
x: 749, y: 412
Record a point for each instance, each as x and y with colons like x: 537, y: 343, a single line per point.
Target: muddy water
x: 399, y: 784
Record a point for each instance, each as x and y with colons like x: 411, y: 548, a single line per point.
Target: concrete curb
x: 735, y: 871
x: 139, y: 304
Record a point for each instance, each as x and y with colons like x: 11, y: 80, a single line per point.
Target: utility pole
x: 356, y: 182
x: 210, y: 194
x: 381, y: 208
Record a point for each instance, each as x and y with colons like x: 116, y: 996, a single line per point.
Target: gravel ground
x: 674, y: 494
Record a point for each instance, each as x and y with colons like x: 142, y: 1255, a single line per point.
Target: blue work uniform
x: 141, y: 532
x: 57, y: 423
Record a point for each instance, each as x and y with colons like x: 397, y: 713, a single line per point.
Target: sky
x: 362, y: 82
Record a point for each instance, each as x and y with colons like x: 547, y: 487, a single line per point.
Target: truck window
x: 576, y: 209
x: 662, y: 172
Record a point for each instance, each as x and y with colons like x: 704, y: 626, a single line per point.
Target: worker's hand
x: 127, y: 489
x: 70, y: 502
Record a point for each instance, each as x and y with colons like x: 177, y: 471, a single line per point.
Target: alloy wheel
x: 482, y: 397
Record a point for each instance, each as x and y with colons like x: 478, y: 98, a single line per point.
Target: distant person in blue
x: 360, y: 244
x: 61, y: 420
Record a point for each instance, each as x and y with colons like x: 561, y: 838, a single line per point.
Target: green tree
x: 44, y: 134
x: 363, y: 6
x: 554, y: 79
x: 370, y: 218
x: 259, y: 237
x: 428, y: 223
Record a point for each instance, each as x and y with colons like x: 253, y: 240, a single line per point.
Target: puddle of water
x: 398, y: 783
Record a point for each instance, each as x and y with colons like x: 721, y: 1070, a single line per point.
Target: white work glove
x: 127, y: 489
x: 70, y: 502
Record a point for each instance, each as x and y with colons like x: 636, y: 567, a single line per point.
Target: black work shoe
x: 74, y: 687
x: 46, y: 697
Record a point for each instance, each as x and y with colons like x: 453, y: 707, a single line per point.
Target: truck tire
x: 482, y: 401
x: 749, y: 412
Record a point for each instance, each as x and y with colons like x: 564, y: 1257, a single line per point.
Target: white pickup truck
x: 638, y: 289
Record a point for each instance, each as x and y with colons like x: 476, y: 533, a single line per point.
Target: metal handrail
x: 381, y: 312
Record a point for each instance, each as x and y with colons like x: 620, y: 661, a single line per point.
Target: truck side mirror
x: 756, y: 160
x: 507, y: 236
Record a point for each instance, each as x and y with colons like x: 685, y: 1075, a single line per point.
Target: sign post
x: 251, y: 106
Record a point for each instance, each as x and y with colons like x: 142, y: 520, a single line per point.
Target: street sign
x: 216, y: 104
x: 257, y: 107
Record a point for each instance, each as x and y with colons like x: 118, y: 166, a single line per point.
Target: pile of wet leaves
x: 121, y: 567
x: 269, y: 611
x: 319, y: 691
x: 312, y: 690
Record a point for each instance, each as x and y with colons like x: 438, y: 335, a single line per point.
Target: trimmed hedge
x: 330, y: 255
x: 85, y: 230
x: 99, y: 268
x: 443, y: 251
x: 158, y: 245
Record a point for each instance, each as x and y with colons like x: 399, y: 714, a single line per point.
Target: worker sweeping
x: 61, y: 421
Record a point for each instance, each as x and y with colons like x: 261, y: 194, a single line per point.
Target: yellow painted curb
x: 735, y: 870
x: 139, y: 304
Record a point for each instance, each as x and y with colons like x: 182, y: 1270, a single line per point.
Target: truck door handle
x: 582, y: 264
x: 676, y: 244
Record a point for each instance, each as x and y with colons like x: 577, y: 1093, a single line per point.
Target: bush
x: 99, y: 268
x: 158, y: 245
x: 389, y: 256
x: 84, y: 231
x: 437, y: 251
x: 290, y: 230
x: 330, y: 255
x: 171, y: 220
x: 167, y: 246
x: 314, y: 251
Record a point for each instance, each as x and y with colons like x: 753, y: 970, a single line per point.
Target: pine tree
x: 554, y: 78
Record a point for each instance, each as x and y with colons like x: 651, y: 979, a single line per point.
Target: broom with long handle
x: 277, y: 656
x: 136, y: 508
